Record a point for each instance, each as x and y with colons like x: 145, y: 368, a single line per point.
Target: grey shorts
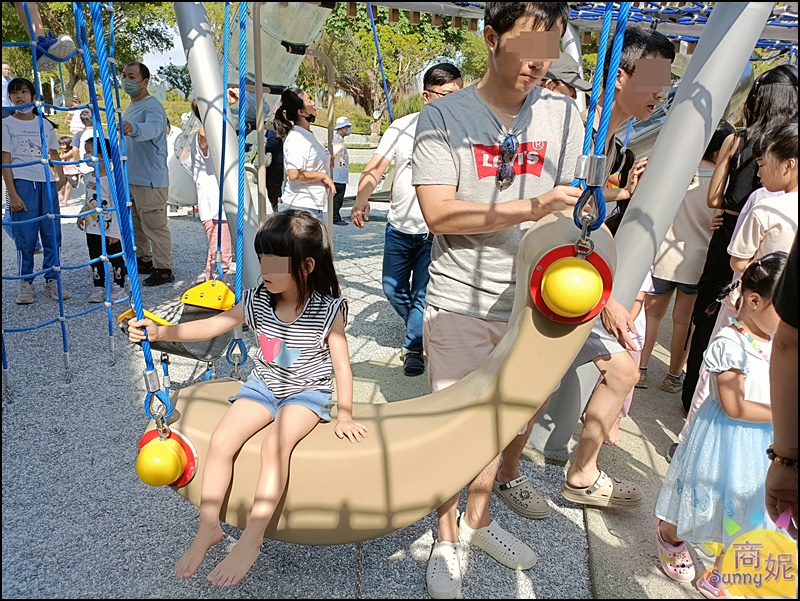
x: 599, y: 344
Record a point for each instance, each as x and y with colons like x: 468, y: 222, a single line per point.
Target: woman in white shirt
x: 305, y: 160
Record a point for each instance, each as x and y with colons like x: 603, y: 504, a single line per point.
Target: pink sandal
x: 674, y: 559
x: 709, y: 591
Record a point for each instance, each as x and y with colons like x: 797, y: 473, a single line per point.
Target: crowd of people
x: 461, y: 199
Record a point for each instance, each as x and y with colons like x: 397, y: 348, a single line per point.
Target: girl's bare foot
x: 235, y: 566
x: 612, y: 439
x: 204, y: 539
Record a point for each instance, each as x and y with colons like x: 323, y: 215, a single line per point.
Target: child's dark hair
x: 502, y: 16
x: 66, y: 140
x: 771, y: 100
x: 779, y: 140
x: 724, y: 129
x: 299, y: 236
x: 286, y: 115
x: 759, y: 277
x: 20, y: 83
x: 105, y: 147
x: 196, y: 109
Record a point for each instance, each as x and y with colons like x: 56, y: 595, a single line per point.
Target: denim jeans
x: 38, y: 201
x: 406, y: 258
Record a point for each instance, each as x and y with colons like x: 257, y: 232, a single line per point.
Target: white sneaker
x: 26, y: 293
x: 443, y: 575
x: 51, y: 290
x: 500, y: 544
x: 117, y: 292
x: 98, y: 295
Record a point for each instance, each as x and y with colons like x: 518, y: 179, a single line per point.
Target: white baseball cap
x: 343, y: 122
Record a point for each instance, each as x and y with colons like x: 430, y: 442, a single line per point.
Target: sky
x: 176, y: 55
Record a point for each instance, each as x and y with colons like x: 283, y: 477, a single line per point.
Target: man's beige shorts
x: 456, y: 345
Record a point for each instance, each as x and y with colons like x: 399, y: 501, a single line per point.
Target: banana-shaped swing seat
x: 419, y: 452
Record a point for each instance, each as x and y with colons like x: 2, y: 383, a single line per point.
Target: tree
x: 139, y: 28
x: 406, y: 50
x: 177, y: 77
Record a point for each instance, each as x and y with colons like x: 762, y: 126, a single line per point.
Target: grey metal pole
x: 711, y: 77
x: 261, y: 174
x: 714, y: 71
x: 201, y: 57
x: 572, y: 47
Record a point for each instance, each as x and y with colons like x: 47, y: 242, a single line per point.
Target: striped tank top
x: 292, y: 357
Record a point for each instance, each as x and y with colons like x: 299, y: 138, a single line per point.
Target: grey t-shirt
x: 457, y: 143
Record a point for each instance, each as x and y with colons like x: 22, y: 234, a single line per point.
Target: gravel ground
x: 77, y: 522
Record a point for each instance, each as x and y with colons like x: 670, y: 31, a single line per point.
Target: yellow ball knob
x: 161, y: 462
x: 572, y: 287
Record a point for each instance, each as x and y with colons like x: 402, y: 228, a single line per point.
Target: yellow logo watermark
x: 759, y: 563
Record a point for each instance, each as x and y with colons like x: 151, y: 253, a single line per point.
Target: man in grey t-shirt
x: 488, y: 161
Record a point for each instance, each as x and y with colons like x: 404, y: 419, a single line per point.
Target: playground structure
x: 699, y: 103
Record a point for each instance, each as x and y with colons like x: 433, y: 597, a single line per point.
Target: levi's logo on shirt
x: 529, y: 159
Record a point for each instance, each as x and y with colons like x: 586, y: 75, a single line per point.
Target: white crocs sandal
x: 443, y: 575
x: 503, y: 546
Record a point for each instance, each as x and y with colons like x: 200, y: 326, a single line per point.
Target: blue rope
x: 121, y: 187
x: 380, y: 59
x: 218, y: 271
x: 596, y: 192
x: 238, y: 342
x: 51, y: 212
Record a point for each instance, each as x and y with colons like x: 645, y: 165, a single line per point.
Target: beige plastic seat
x: 419, y: 452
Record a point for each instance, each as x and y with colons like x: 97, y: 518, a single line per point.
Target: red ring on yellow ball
x: 551, y: 257
x: 191, y: 454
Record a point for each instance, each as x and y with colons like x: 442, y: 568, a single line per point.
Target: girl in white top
x: 717, y: 474
x: 305, y: 160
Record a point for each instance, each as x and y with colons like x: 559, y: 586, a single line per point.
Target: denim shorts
x: 664, y: 286
x: 316, y: 400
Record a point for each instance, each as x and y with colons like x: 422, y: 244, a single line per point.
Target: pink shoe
x: 709, y: 591
x: 674, y: 559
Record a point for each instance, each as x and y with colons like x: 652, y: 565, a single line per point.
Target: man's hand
x: 618, y: 322
x: 781, y: 494
x: 329, y: 184
x: 360, y: 213
x: 557, y: 199
x: 635, y: 175
x: 127, y: 128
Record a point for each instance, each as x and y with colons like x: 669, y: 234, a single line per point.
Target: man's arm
x: 366, y: 186
x: 154, y: 124
x: 444, y: 214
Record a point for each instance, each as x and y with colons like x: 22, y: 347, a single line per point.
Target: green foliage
x: 472, y: 57
x: 406, y: 50
x: 139, y: 27
x: 177, y: 77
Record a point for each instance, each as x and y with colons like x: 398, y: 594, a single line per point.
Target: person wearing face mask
x: 306, y: 162
x: 144, y: 124
x: 341, y: 166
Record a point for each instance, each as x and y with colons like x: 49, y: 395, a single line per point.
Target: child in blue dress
x: 718, y: 472
x: 298, y: 317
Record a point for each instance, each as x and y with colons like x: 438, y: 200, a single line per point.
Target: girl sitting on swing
x: 299, y: 318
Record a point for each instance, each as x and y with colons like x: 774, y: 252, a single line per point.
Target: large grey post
x: 572, y: 47
x: 714, y: 71
x: 201, y: 57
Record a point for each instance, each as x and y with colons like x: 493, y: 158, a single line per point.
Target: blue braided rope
x: 238, y: 342
x: 218, y: 271
x: 596, y: 192
x: 126, y: 226
x: 82, y: 40
x: 52, y: 215
x: 371, y: 12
